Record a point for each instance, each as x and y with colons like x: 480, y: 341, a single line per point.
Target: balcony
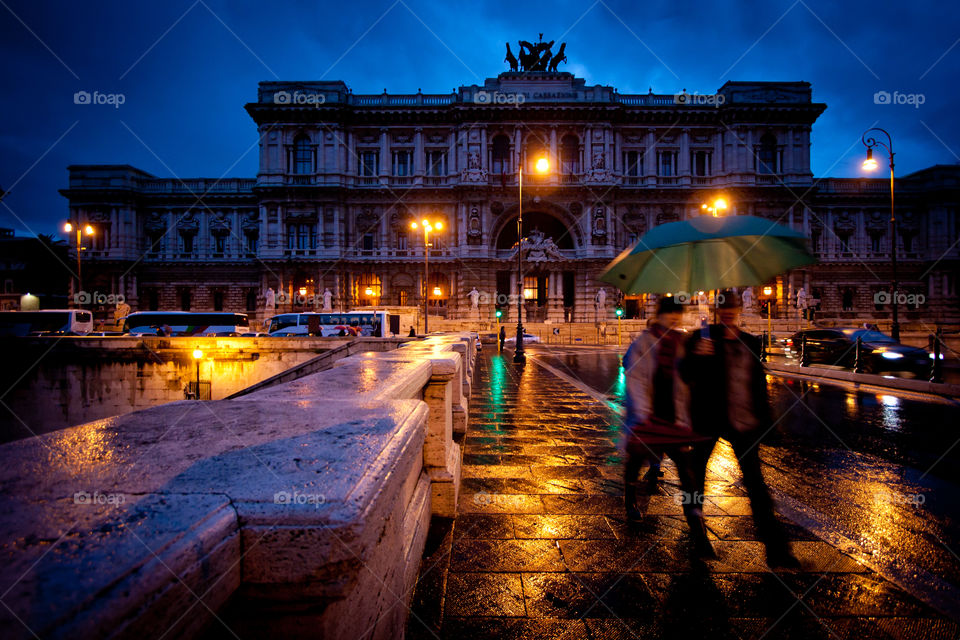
x: 668, y: 181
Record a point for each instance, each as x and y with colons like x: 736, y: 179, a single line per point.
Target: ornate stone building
x: 342, y: 175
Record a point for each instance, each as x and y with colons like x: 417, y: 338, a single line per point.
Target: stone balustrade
x: 297, y: 509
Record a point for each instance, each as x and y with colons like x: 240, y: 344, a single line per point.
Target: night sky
x: 186, y: 68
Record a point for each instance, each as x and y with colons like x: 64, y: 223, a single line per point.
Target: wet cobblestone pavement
x: 540, y: 547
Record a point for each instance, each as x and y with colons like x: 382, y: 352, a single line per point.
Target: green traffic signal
x: 499, y: 313
x: 619, y: 311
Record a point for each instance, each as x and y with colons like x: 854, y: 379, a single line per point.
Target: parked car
x: 838, y: 346
x: 527, y: 339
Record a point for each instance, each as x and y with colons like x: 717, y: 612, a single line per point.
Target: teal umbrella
x: 708, y: 253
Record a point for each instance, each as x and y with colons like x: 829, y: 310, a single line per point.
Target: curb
x: 901, y: 384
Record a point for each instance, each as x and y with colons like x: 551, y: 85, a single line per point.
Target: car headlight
x: 891, y: 355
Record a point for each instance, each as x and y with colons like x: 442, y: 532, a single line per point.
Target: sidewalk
x: 540, y: 548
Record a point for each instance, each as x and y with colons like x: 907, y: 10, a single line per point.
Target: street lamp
x: 720, y: 204
x: 870, y: 164
x: 541, y: 165
x: 427, y: 228
x: 69, y: 227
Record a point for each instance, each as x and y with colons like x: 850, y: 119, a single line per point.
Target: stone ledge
x: 186, y: 486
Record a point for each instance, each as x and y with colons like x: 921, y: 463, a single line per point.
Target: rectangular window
x: 700, y: 162
x: 368, y: 242
x: 301, y: 236
x: 436, y: 163
x: 218, y: 300
x: 401, y: 241
x: 369, y: 163
x: 219, y: 244
x: 667, y: 164
x: 632, y: 163
x: 402, y: 163
x: 186, y: 243
x: 252, y: 242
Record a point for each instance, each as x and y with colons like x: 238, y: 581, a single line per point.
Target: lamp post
x: 869, y: 164
x: 498, y: 313
x: 69, y: 227
x: 427, y: 228
x: 768, y: 294
x: 197, y: 355
x: 541, y: 166
x: 619, y: 317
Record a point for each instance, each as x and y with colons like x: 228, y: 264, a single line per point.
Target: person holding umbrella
x: 728, y: 396
x: 658, y: 419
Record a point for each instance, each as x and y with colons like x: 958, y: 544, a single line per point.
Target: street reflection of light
x: 892, y: 418
x: 851, y: 400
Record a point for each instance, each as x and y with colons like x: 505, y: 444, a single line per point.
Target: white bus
x: 185, y: 323
x: 49, y: 322
x: 350, y: 323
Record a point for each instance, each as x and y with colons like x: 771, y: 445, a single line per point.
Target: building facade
x: 342, y: 176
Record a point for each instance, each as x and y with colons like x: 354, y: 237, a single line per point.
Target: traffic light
x: 619, y: 311
x: 499, y: 314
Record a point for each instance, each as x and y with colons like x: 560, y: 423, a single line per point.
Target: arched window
x: 302, y: 155
x: 570, y: 155
x: 500, y: 155
x: 767, y: 155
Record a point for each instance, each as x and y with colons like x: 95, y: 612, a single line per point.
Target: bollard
x: 804, y: 352
x: 858, y: 356
x: 763, y: 350
x: 936, y: 369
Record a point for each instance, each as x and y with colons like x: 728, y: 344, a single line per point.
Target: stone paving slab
x: 540, y: 547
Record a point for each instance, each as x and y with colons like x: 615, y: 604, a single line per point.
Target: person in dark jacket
x: 503, y: 337
x: 728, y: 399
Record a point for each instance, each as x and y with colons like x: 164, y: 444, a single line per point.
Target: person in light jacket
x: 658, y: 418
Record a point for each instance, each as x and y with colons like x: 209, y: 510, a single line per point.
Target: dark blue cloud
x: 187, y: 68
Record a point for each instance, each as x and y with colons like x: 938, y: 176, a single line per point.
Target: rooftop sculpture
x: 536, y: 57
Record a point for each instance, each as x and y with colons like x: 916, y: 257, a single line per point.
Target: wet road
x: 879, y: 471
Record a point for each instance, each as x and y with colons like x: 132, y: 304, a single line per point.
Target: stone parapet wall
x: 300, y: 509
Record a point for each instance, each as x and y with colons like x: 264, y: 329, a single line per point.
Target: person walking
x: 728, y: 394
x: 503, y: 337
x: 658, y: 419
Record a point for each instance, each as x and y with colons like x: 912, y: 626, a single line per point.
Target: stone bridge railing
x: 300, y: 509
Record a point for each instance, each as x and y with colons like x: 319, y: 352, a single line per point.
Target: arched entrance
x: 547, y: 287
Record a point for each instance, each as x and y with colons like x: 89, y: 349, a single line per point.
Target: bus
x: 185, y: 323
x: 350, y: 323
x: 49, y: 322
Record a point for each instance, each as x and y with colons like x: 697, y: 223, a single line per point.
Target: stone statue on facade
x: 474, y: 296
x: 536, y: 56
x: 538, y: 248
x: 802, y: 299
x: 600, y: 301
x: 747, y: 298
x: 270, y: 300
x: 327, y: 300
x: 557, y: 59
x: 511, y: 59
